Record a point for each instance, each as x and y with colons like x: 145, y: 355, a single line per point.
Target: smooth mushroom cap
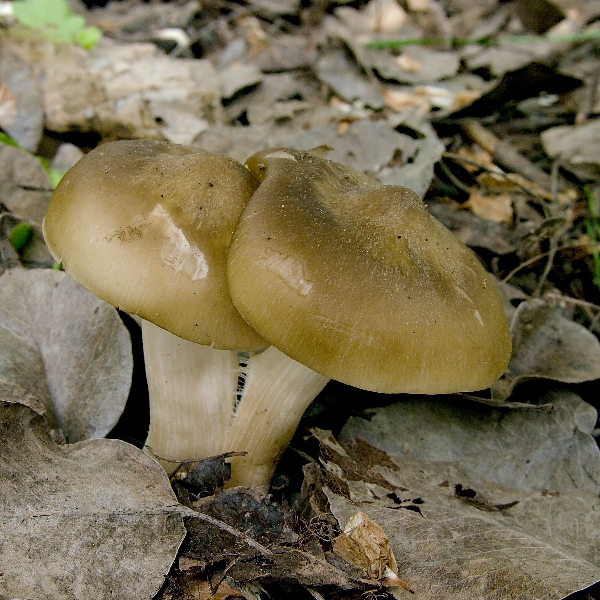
x: 146, y: 226
x: 357, y: 281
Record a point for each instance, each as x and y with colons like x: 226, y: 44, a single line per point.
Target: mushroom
x: 351, y: 280
x: 146, y: 226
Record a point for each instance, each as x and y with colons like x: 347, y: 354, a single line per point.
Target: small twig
x: 587, y: 307
x: 304, y: 455
x: 505, y: 153
x: 214, y: 588
x: 551, y: 254
x: 554, y: 179
x: 570, y: 300
x: 455, y: 180
x: 234, y: 532
x: 547, y: 407
x: 541, y: 194
x: 587, y: 106
x: 530, y: 261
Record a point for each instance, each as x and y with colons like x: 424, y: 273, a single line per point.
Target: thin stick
x: 234, y: 532
x: 551, y: 254
x: 576, y: 301
x: 509, y: 176
x: 505, y: 154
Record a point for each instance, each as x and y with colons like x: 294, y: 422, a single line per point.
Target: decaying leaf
x: 526, y: 79
x: 87, y: 521
x: 365, y: 545
x: 336, y: 70
x: 473, y: 231
x: 243, y: 535
x: 199, y: 589
x: 131, y: 90
x: 25, y: 187
x: 577, y: 146
x: 419, y: 65
x: 376, y: 148
x: 523, y: 449
x: 546, y: 344
x: 456, y: 536
x: 497, y: 208
x: 63, y: 352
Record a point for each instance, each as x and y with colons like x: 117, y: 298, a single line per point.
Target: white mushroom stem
x: 192, y: 391
x: 276, y: 392
x: 192, y: 394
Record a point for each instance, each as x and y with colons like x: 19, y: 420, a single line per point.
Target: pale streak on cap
x: 357, y: 281
x: 146, y: 225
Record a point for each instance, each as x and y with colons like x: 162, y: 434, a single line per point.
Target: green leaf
x: 7, y: 140
x: 56, y: 21
x: 39, y: 13
x: 88, y: 37
x: 68, y: 28
x: 20, y: 235
x: 56, y: 175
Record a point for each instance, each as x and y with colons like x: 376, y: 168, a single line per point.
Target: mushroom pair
x: 311, y: 269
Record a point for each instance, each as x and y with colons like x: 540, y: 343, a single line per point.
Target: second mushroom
x: 352, y: 280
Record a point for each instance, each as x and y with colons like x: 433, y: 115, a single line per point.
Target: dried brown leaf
x: 454, y: 534
x: 577, y: 146
x: 92, y: 520
x: 548, y: 345
x: 365, y: 545
x: 63, y: 352
x: 520, y: 448
x: 25, y: 187
x: 497, y: 208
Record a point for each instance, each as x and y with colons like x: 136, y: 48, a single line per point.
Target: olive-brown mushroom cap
x: 360, y: 283
x: 146, y: 226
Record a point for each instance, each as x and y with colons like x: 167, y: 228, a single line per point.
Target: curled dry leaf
x: 548, y: 345
x: 87, y: 521
x: 365, y: 545
x: 63, y: 352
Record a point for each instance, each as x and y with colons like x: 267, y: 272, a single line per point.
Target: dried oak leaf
x: 524, y: 449
x: 63, y: 352
x: 548, y: 345
x: 87, y: 521
x: 471, y: 538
